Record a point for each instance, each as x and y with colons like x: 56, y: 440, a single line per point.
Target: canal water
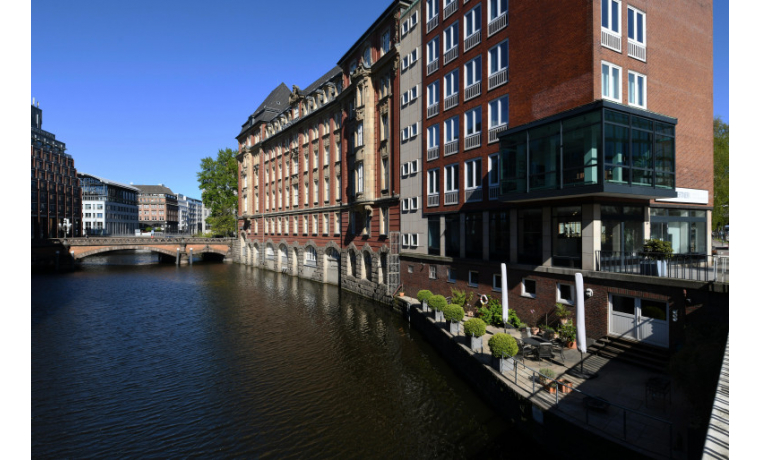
x: 134, y: 359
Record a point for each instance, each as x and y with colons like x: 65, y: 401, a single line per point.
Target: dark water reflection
x: 224, y: 360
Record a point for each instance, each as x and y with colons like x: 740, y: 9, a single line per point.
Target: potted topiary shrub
x: 475, y: 329
x: 424, y: 296
x: 453, y: 314
x: 437, y: 303
x: 546, y: 378
x: 562, y: 313
x: 503, y: 348
x: 656, y: 254
x: 567, y: 333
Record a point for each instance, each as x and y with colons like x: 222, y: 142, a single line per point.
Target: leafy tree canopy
x: 218, y: 178
x: 720, y: 173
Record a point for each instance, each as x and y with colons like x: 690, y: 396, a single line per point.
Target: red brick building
x: 559, y: 136
x: 318, y: 197
x: 56, y: 194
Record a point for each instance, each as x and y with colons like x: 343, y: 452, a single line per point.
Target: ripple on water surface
x: 221, y: 359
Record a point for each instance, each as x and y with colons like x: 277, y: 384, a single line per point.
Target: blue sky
x: 140, y: 91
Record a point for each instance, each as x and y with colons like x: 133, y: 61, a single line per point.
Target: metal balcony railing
x: 432, y: 23
x: 611, y: 40
x: 451, y: 197
x: 472, y: 40
x: 451, y: 101
x: 637, y: 50
x: 493, y: 133
x: 451, y: 54
x: 497, y: 24
x: 433, y: 200
x: 432, y: 153
x: 472, y: 91
x: 451, y: 147
x: 450, y: 9
x: 472, y: 141
x: 432, y: 66
x: 694, y: 267
x: 498, y: 79
x: 473, y: 195
x: 432, y: 110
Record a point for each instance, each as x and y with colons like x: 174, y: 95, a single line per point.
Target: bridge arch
x: 77, y: 254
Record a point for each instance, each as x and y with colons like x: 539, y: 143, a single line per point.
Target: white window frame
x: 469, y: 21
x: 612, y: 67
x: 414, y: 93
x: 493, y: 166
x: 414, y: 167
x: 473, y: 117
x: 451, y: 35
x: 497, y: 58
x: 432, y: 94
x: 452, y: 124
x: 360, y: 178
x: 471, y: 177
x: 635, y: 30
x: 470, y: 67
x: 451, y: 84
x: 404, y: 169
x: 414, y: 203
x: 405, y: 239
x: 494, y: 13
x: 433, y: 136
x: 570, y: 301
x: 610, y: 17
x: 451, y: 172
x: 413, y: 20
x: 433, y: 181
x: 636, y: 90
x: 414, y: 240
x: 432, y: 9
x: 496, y: 282
x: 433, y: 50
x: 469, y: 278
x: 494, y: 108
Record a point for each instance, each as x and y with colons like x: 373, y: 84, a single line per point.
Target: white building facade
x: 108, y: 208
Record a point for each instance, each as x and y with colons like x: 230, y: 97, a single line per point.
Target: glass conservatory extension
x: 601, y: 148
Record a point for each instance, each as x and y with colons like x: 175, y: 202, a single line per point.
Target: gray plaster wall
x: 412, y: 185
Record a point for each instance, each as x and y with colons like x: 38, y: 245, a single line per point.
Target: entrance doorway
x: 634, y: 318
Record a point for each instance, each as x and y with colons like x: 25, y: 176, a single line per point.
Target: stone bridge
x: 179, y: 249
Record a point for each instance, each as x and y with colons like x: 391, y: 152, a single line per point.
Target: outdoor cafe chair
x: 545, y: 350
x: 559, y: 346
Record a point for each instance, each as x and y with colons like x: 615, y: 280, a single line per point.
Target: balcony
x: 451, y: 147
x: 451, y: 101
x: 473, y: 195
x: 432, y: 23
x: 472, y: 91
x: 471, y: 41
x: 432, y: 153
x: 611, y: 40
x: 451, y: 198
x: 450, y: 9
x: 472, y: 141
x: 498, y: 79
x: 432, y: 110
x: 695, y: 267
x: 493, y: 192
x: 493, y: 133
x: 451, y: 54
x: 497, y: 24
x: 432, y: 66
x: 433, y: 200
x: 637, y: 50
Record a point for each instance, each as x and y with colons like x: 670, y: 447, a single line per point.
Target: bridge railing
x: 113, y: 241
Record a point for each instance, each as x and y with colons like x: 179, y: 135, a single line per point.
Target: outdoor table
x: 657, y: 386
x: 535, y: 340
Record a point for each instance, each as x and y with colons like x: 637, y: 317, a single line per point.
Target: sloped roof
x: 109, y: 182
x: 337, y: 70
x: 275, y: 102
x: 150, y: 189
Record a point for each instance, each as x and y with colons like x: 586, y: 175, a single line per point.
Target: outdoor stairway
x: 642, y: 355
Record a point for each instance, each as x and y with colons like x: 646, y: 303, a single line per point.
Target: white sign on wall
x: 688, y: 195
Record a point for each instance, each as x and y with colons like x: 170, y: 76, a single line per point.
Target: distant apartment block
x: 109, y: 208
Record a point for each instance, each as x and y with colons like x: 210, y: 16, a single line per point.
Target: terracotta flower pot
x: 534, y: 330
x: 552, y: 390
x: 565, y: 386
x: 571, y: 345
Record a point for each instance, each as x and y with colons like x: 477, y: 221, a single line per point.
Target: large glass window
x: 529, y: 236
x: 434, y: 236
x: 686, y: 230
x: 582, y: 140
x: 472, y: 21
x: 611, y: 82
x: 544, y: 156
x: 622, y: 230
x: 472, y: 72
x: 472, y: 122
x: 432, y: 136
x: 636, y: 25
x: 498, y: 58
x: 432, y: 50
x: 451, y: 37
x: 451, y: 236
x: 432, y: 94
x: 451, y: 83
x: 637, y: 90
x: 498, y: 236
x: 473, y: 235
x: 611, y: 15
x: 566, y: 236
x: 451, y: 129
x: 452, y: 178
x: 473, y: 174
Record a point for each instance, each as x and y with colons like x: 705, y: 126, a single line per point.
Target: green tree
x: 720, y: 173
x: 218, y: 179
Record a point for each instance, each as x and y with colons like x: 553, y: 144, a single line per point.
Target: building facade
x: 108, y: 208
x: 190, y: 214
x: 56, y: 194
x: 319, y: 170
x: 559, y: 137
x: 158, y: 208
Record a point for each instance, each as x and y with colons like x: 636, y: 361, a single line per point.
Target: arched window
x: 310, y: 257
x: 368, y: 266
